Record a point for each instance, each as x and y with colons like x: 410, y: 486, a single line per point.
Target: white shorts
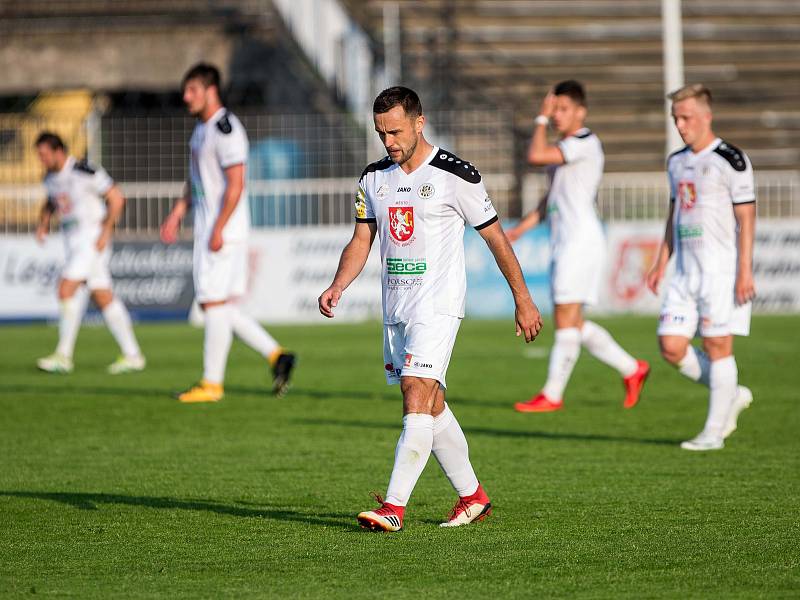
x: 705, y: 306
x: 576, y: 273
x: 419, y: 349
x: 220, y: 275
x: 85, y: 263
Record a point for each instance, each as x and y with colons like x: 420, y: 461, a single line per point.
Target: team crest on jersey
x: 425, y: 191
x: 687, y: 194
x: 401, y: 222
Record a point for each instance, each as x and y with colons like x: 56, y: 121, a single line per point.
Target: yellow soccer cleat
x: 205, y: 391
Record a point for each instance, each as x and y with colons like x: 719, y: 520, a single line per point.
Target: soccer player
x: 417, y: 200
x: 217, y: 193
x: 88, y: 206
x: 577, y: 244
x: 710, y: 229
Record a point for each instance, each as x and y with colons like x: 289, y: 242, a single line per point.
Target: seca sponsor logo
x: 406, y: 266
x: 404, y: 189
x: 423, y: 365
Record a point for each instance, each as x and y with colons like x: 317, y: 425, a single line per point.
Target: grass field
x: 110, y: 489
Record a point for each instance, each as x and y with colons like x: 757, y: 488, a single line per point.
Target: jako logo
x: 403, y: 189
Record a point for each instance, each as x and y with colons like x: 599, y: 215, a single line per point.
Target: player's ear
x: 419, y: 123
x: 581, y: 112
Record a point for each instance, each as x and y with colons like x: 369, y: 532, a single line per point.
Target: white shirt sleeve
x: 741, y: 183
x: 574, y: 148
x: 232, y: 147
x: 364, y: 211
x: 473, y: 204
x: 101, y: 181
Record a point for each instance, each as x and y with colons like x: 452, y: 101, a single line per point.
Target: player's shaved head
x: 694, y: 90
x: 398, y: 96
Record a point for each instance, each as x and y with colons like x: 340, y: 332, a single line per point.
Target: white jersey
x: 77, y: 193
x: 217, y: 144
x: 572, y: 197
x: 420, y: 219
x: 704, y: 186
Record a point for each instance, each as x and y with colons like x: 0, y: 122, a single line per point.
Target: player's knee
x: 672, y: 351
x: 417, y: 396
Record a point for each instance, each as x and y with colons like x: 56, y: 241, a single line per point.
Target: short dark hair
x: 573, y: 90
x: 398, y: 96
x: 207, y: 74
x: 52, y: 140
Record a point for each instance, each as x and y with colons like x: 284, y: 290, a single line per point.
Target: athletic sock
x: 119, y: 323
x: 452, y: 452
x: 723, y: 379
x: 603, y: 347
x: 217, y: 344
x: 247, y: 329
x: 564, y: 354
x: 410, y: 457
x: 69, y: 323
x: 695, y: 365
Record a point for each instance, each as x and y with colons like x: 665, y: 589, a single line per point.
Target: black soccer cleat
x: 281, y: 373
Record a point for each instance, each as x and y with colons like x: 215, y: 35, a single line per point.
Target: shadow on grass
x: 86, y: 501
x: 544, y: 435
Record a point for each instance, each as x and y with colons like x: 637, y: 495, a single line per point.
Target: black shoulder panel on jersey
x: 378, y: 165
x: 584, y: 135
x: 681, y: 151
x: 447, y: 161
x: 732, y: 154
x: 85, y: 167
x: 224, y: 124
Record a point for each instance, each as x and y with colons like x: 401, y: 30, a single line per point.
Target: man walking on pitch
x: 217, y: 193
x: 575, y: 167
x: 418, y: 200
x: 88, y: 205
x: 712, y: 216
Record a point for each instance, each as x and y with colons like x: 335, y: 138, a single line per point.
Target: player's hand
x: 169, y: 230
x: 41, y: 234
x: 548, y: 105
x: 215, y: 241
x: 328, y: 301
x: 102, y: 240
x: 745, y: 287
x: 528, y: 319
x: 513, y: 234
x: 654, y: 277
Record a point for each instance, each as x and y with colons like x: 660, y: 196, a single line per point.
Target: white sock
x: 723, y: 379
x: 247, y: 329
x: 413, y: 451
x: 119, y: 323
x: 695, y: 365
x: 69, y: 323
x: 217, y: 344
x: 565, y: 352
x: 451, y: 451
x: 603, y: 347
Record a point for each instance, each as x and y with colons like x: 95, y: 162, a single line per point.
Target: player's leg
x: 250, y: 331
x: 71, y: 309
x: 563, y: 356
x: 677, y: 325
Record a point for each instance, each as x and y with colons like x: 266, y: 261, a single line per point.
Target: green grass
x: 108, y: 488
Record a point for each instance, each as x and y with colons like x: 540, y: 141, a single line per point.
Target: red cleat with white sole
x: 539, y: 403
x: 469, y: 509
x: 387, y: 518
x: 634, y: 383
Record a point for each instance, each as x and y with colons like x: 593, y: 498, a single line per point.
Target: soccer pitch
x: 109, y: 488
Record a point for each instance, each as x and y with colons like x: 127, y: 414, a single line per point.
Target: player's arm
x: 115, y: 202
x: 351, y: 263
x: 746, y: 219
x: 170, y: 226
x: 540, y: 152
x: 526, y: 314
x: 45, y: 215
x: 656, y: 273
x: 234, y: 184
x: 529, y: 221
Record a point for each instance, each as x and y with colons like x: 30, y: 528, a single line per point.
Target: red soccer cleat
x: 634, y: 383
x: 387, y: 518
x: 539, y: 403
x: 469, y: 509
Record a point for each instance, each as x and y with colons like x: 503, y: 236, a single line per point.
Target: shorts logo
x: 409, y: 358
x: 422, y: 365
x: 670, y: 318
x: 406, y: 266
x: 687, y: 194
x: 425, y: 191
x: 401, y: 222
